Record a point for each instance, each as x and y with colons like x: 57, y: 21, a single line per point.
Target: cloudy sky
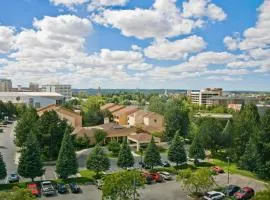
x: 185, y: 44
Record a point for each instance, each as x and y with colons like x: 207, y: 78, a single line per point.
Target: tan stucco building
x: 73, y: 118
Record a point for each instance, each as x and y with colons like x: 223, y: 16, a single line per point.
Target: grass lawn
x: 234, y: 169
x: 12, y: 185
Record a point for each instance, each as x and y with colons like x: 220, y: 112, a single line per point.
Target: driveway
x: 8, y: 148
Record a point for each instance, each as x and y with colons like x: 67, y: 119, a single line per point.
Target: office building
x: 34, y: 87
x: 35, y: 99
x: 65, y: 90
x: 5, y: 85
x: 202, y: 97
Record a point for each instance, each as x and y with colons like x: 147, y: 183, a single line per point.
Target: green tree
x: 92, y: 115
x: 120, y: 185
x: 100, y: 136
x: 176, y: 119
x: 177, y: 152
x: 157, y: 104
x: 196, y: 149
x: 98, y: 160
x: 30, y: 164
x: 51, y: 130
x: 210, y: 133
x: 3, y: 170
x: 114, y: 147
x: 199, y: 181
x: 67, y: 162
x: 246, y: 124
x: 248, y: 159
x: 125, y: 157
x: 17, y: 194
x: 152, y: 156
x: 263, y: 148
x: 26, y: 124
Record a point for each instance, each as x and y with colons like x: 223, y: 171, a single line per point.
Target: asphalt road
x: 8, y: 148
x: 169, y: 190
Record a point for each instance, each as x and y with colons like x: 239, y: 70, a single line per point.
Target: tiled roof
x: 115, y: 108
x: 126, y: 110
x: 106, y: 106
x: 141, y: 137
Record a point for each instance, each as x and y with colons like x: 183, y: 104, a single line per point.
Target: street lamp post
x: 228, y: 169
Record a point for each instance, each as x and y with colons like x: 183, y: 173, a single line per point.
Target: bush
x: 114, y: 147
x: 82, y: 142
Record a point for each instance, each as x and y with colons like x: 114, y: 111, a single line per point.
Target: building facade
x: 34, y: 99
x: 5, y: 85
x: 65, y: 90
x: 202, y: 97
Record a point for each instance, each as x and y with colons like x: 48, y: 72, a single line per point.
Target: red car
x: 217, y: 169
x: 157, y: 177
x: 244, y: 193
x: 34, y: 189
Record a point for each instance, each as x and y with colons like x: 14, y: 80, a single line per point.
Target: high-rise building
x: 34, y: 87
x: 5, y: 85
x: 65, y: 90
x: 202, y: 97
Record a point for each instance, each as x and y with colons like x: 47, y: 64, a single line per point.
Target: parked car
x: 166, y: 175
x: 165, y: 164
x: 144, y: 165
x: 62, y: 188
x: 13, y: 178
x: 244, y: 193
x: 148, y: 178
x: 157, y: 177
x: 74, y: 188
x: 217, y: 170
x: 213, y: 195
x: 33, y: 187
x: 231, y: 189
x: 47, y: 188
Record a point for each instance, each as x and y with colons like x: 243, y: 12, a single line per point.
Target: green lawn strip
x: 9, y: 186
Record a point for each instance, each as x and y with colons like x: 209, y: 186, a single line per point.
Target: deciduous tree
x: 100, y: 136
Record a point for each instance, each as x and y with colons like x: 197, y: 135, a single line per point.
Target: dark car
x: 231, y: 189
x: 148, y: 178
x: 165, y: 164
x: 74, y: 188
x: 144, y: 165
x: 62, y: 188
x: 244, y: 193
x: 13, y: 178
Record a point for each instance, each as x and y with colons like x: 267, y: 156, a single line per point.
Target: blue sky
x: 187, y: 44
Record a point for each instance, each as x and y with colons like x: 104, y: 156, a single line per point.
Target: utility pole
x: 228, y: 169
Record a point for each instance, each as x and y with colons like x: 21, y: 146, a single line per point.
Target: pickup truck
x: 47, y: 188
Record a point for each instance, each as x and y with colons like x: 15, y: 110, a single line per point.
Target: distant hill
x: 92, y: 91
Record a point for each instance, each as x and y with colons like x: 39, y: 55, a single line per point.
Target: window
x: 155, y: 120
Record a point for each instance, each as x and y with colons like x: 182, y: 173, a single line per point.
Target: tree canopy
x: 152, y: 156
x: 67, y: 162
x: 125, y: 157
x: 100, y: 136
x: 3, y: 170
x: 196, y: 149
x: 30, y: 164
x: 98, y: 160
x: 177, y: 152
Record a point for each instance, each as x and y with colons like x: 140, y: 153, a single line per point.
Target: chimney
x: 106, y: 120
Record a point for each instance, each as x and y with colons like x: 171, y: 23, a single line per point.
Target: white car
x: 213, y: 195
x: 166, y: 175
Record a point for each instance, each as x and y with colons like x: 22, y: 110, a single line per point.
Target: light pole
x: 228, y: 169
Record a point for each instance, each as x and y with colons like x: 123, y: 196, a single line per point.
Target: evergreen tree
x: 30, y: 164
x: 196, y: 149
x: 176, y: 119
x: 248, y: 159
x: 263, y: 148
x: 125, y: 157
x: 152, y: 156
x: 177, y: 152
x: 98, y: 160
x: 67, y: 162
x: 245, y: 125
x: 26, y: 124
x: 3, y: 170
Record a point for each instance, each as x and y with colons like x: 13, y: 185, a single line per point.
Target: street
x: 8, y: 148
